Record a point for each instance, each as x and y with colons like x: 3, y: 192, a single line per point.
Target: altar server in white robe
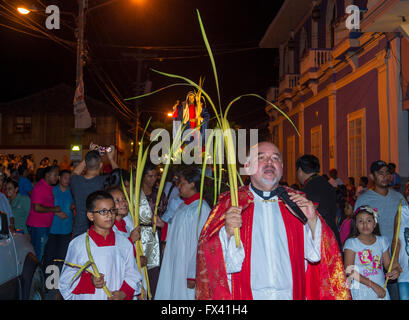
x: 178, y: 271
x: 112, y: 253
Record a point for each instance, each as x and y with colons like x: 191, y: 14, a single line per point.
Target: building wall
x: 56, y: 130
x: 405, y: 72
x: 288, y: 130
x: 315, y: 115
x: 35, y: 137
x: 377, y: 84
x: 361, y: 93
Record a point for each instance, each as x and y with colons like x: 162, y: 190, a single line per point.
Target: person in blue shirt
x: 61, y: 228
x: 24, y: 185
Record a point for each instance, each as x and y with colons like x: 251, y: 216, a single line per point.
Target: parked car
x: 21, y: 275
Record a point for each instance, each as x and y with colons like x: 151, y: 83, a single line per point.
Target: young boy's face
x: 105, y: 218
x: 186, y: 188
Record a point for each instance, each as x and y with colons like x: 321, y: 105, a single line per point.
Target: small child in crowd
x: 366, y: 254
x: 112, y: 253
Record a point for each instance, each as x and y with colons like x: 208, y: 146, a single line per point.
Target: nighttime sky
x: 30, y: 64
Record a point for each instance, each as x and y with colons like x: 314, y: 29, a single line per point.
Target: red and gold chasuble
x: 324, y: 280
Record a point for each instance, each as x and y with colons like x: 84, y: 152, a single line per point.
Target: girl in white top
x: 366, y: 253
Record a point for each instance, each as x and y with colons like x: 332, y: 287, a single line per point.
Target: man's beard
x: 272, y: 182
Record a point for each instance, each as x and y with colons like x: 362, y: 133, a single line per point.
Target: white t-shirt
x: 368, y: 262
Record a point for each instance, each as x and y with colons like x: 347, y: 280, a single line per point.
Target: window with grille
x: 316, y: 143
x: 356, y: 144
x: 291, y: 160
x: 22, y: 125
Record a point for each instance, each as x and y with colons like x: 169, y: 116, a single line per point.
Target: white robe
x: 271, y: 273
x: 129, y: 223
x: 179, y: 260
x: 129, y: 226
x: 117, y: 263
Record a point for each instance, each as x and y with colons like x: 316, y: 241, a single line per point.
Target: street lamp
x: 23, y: 10
x: 170, y: 114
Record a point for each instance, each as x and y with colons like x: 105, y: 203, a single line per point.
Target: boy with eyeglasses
x: 112, y: 253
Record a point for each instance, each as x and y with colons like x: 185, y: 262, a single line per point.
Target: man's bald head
x: 265, y: 166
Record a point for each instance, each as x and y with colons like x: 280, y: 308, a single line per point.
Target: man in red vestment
x: 313, y: 267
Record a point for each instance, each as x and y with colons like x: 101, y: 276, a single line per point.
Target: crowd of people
x: 342, y: 250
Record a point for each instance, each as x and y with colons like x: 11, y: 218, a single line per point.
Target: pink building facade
x: 345, y: 89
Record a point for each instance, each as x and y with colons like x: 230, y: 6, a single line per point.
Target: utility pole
x: 140, y: 57
x: 81, y: 59
x: 82, y: 4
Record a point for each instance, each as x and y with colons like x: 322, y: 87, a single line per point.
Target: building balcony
x: 311, y: 63
x: 289, y: 82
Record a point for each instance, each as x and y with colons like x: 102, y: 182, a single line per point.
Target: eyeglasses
x: 104, y: 212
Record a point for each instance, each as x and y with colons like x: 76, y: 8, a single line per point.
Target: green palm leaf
x: 86, y: 265
x: 209, y: 50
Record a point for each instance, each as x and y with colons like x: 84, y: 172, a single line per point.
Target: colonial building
x: 42, y: 124
x: 345, y: 89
